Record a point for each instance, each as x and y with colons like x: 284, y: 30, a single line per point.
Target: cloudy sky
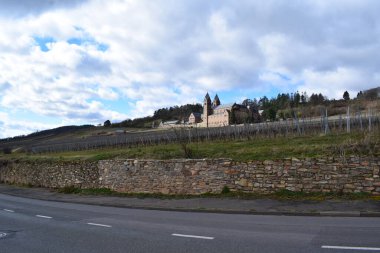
x: 78, y: 62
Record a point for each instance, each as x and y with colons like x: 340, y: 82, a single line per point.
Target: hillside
x: 264, y: 148
x: 180, y: 113
x: 284, y: 106
x: 290, y: 116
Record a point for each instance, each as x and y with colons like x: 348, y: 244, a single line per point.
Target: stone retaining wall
x: 201, y: 176
x: 50, y: 174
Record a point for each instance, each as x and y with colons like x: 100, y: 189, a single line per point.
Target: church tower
x: 207, y: 110
x: 216, y: 101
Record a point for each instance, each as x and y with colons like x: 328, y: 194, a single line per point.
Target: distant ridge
x: 49, y: 132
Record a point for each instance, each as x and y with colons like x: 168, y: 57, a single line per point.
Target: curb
x: 205, y: 210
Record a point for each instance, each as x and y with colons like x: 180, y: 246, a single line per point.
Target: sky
x: 77, y: 62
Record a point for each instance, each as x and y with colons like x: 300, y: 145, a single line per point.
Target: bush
x: 226, y: 190
x: 182, y: 137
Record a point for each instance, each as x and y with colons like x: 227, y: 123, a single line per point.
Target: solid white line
x: 100, y: 225
x: 7, y: 210
x: 43, y: 216
x: 352, y: 248
x: 195, y: 236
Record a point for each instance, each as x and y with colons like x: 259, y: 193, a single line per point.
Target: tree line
x: 293, y: 105
x: 179, y: 113
x: 285, y: 105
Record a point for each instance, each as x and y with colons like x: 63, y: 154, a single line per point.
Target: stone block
x: 349, y: 186
x: 243, y: 182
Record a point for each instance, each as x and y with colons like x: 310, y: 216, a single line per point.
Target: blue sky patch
x: 42, y: 41
x: 75, y: 41
x: 89, y: 41
x: 102, y: 47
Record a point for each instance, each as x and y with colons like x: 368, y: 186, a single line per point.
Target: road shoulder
x: 335, y: 208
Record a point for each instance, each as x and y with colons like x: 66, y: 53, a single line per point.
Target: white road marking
x: 195, y: 236
x: 43, y: 216
x: 7, y: 210
x: 100, y: 225
x: 351, y: 248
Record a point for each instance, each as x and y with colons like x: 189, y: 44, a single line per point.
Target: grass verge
x: 279, y: 195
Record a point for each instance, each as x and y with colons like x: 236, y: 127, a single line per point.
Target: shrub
x: 226, y: 190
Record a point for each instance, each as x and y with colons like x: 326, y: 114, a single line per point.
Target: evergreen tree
x: 297, y: 99
x: 107, y: 123
x: 346, y: 95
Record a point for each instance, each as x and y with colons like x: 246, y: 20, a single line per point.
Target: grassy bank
x: 362, y: 144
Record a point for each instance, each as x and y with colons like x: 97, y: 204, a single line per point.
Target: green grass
x: 69, y: 190
x: 279, y: 195
x: 239, y: 150
x: 319, y: 196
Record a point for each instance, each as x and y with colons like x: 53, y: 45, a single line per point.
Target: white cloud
x: 334, y: 83
x: 11, y: 127
x: 152, y: 54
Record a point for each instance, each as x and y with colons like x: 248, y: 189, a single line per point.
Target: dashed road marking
x: 8, y: 210
x: 350, y: 248
x: 43, y: 216
x: 195, y: 236
x: 99, y: 225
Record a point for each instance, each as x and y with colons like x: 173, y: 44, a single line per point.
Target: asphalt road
x: 28, y: 225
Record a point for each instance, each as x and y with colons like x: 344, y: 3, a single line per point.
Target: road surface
x: 28, y: 225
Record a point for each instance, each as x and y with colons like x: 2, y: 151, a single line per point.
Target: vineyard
x: 351, y: 122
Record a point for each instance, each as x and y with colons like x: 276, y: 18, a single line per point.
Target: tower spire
x: 207, y: 110
x: 216, y: 101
